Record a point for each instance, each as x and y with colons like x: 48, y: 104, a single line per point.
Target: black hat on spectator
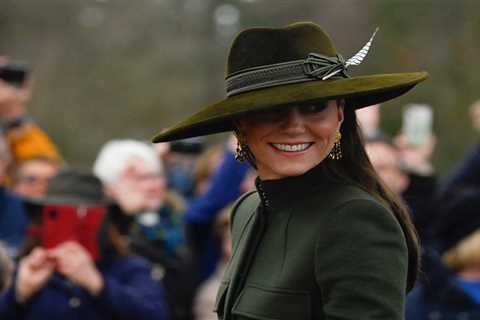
x: 79, y: 189
x: 193, y: 145
x: 459, y: 218
x: 71, y: 187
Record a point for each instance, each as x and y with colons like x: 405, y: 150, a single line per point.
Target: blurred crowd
x: 145, y: 232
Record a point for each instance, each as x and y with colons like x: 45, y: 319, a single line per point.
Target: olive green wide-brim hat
x: 272, y: 68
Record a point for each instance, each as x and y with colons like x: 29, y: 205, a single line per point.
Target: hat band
x: 314, y: 67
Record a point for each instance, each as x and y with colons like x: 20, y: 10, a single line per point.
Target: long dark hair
x: 356, y: 168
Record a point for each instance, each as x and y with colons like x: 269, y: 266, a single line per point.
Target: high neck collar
x: 281, y: 193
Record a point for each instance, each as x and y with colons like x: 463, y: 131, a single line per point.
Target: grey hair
x: 114, y: 156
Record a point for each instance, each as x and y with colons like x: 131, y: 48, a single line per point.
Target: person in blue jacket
x: 75, y: 264
x: 13, y: 218
x: 451, y: 285
x: 467, y: 172
x: 203, y: 210
x: 13, y: 221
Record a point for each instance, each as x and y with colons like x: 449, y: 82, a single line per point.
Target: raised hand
x: 13, y: 99
x: 416, y: 159
x: 33, y: 273
x: 75, y: 263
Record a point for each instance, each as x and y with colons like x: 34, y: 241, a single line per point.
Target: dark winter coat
x: 450, y: 303
x: 314, y: 249
x: 13, y: 221
x: 129, y: 293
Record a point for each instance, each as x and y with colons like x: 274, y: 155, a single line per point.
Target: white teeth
x: 291, y: 147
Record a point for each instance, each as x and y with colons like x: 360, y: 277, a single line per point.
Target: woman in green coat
x: 321, y: 237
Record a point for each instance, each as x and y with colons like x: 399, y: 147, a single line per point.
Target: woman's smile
x: 291, y: 147
x: 291, y: 141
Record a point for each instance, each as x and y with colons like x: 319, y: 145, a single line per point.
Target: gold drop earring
x: 336, y: 152
x: 241, y: 153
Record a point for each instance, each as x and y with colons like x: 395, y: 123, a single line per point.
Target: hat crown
x: 72, y: 187
x: 265, y: 46
x: 270, y: 67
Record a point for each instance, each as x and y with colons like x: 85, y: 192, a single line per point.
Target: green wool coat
x: 308, y: 248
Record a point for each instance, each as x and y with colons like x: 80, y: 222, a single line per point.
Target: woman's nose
x: 293, y: 120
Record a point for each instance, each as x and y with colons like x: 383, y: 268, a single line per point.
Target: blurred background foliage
x: 108, y: 69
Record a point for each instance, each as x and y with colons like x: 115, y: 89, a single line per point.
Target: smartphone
x: 417, y: 123
x: 14, y: 73
x: 67, y: 223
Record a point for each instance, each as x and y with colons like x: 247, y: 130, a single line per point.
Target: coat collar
x: 282, y: 193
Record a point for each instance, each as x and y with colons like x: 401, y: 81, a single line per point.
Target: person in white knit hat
x: 133, y: 177
x: 130, y: 166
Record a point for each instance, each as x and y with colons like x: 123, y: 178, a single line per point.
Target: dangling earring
x: 241, y: 153
x: 336, y: 153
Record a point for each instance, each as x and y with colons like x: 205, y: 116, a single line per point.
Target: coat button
x: 74, y: 302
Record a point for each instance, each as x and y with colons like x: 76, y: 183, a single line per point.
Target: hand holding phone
x: 76, y: 264
x: 34, y: 270
x: 14, y: 73
x: 417, y: 124
x: 15, y: 91
x: 62, y: 224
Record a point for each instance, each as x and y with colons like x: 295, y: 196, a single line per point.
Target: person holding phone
x: 21, y: 141
x: 26, y: 139
x: 13, y: 218
x: 416, y: 141
x: 321, y: 237
x: 75, y: 264
x: 467, y: 171
x: 452, y: 286
x: 416, y: 190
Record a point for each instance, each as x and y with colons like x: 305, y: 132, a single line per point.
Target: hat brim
x: 363, y: 91
x: 56, y: 201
